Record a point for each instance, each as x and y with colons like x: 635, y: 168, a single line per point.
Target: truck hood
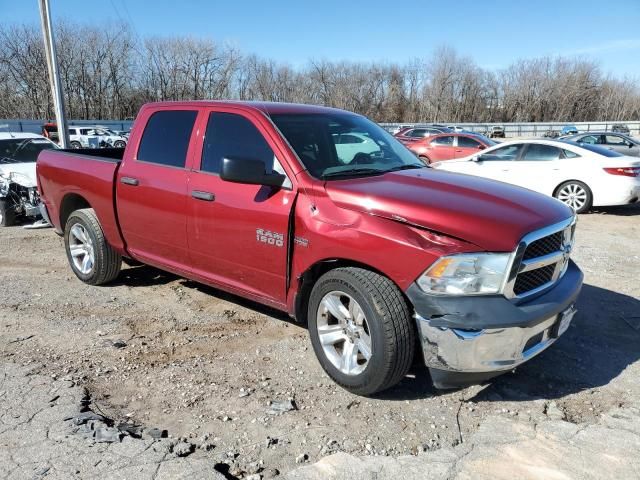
x: 25, y: 173
x: 492, y: 215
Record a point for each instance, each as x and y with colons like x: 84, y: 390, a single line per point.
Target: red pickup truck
x: 322, y: 214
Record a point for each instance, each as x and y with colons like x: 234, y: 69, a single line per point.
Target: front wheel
x: 361, y: 329
x: 576, y: 195
x: 119, y: 144
x: 426, y: 160
x: 75, y: 145
x: 92, y: 259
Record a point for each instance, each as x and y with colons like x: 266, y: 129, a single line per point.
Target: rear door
x: 238, y: 233
x: 467, y: 146
x: 152, y: 190
x: 539, y: 167
x: 621, y: 145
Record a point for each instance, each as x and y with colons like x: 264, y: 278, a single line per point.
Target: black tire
x: 108, y: 262
x: 575, y: 184
x: 7, y: 214
x: 390, y: 324
x: 426, y: 160
x: 75, y: 145
x: 119, y: 144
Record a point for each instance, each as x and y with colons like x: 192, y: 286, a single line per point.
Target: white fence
x: 533, y: 129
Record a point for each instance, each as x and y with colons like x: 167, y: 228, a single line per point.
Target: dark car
x: 620, y: 128
x: 551, y: 133
x: 410, y: 134
x: 613, y: 141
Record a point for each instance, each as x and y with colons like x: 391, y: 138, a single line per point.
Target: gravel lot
x: 160, y: 351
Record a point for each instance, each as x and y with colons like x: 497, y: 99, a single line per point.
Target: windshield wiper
x: 410, y: 166
x: 353, y: 172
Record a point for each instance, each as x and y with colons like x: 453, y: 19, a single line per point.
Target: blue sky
x: 493, y: 33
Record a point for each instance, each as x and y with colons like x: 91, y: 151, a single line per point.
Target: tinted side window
x: 446, y: 141
x: 541, y: 152
x: 417, y: 132
x: 467, y: 142
x: 233, y: 136
x: 591, y: 139
x: 165, y: 140
x: 570, y: 154
x: 506, y: 153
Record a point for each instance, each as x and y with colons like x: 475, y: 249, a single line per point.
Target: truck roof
x: 265, y: 107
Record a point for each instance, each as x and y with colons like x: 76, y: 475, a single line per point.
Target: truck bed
x: 65, y: 177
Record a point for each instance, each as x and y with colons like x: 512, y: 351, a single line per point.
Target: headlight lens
x: 466, y: 274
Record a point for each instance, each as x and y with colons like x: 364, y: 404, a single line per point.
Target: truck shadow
x: 602, y: 341
x: 619, y: 211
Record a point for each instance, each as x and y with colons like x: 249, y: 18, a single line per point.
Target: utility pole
x: 54, y: 74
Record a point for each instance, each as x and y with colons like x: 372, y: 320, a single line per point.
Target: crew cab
x: 374, y: 251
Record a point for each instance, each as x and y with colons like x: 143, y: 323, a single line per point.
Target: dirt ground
x: 205, y: 365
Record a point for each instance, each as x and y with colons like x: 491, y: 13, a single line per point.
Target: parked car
x: 350, y: 144
x: 613, y: 141
x: 18, y: 190
x: 411, y: 134
x: 620, y: 128
x: 83, y: 137
x: 375, y: 256
x: 496, y: 131
x: 449, y: 146
x: 568, y: 130
x: 551, y: 133
x: 579, y: 174
x: 109, y: 138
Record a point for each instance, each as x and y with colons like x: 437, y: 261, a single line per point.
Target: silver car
x: 618, y: 142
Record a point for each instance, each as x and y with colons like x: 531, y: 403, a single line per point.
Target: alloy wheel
x: 81, y: 249
x: 573, y: 195
x: 344, y: 333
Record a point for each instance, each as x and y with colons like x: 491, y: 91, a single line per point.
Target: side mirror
x: 481, y: 147
x: 252, y: 172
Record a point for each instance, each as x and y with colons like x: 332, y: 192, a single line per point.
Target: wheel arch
x: 310, y: 276
x: 70, y: 203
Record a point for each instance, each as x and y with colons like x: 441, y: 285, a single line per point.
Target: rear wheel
x: 7, y: 214
x: 576, y: 195
x: 92, y: 259
x: 75, y: 145
x: 361, y: 329
x: 119, y: 144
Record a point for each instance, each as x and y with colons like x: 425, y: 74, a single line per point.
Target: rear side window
x: 467, y: 142
x: 233, y: 136
x: 541, y: 152
x: 165, y: 140
x: 569, y: 154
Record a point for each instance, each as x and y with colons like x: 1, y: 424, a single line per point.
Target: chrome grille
x: 544, y: 246
x: 540, y: 260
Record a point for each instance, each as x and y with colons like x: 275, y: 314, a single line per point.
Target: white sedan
x: 581, y: 176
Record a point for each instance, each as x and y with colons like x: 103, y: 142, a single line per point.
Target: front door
x: 467, y: 146
x: 238, y: 233
x: 441, y: 148
x: 152, y: 191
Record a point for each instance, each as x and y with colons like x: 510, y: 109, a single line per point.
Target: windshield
x: 23, y: 150
x: 342, y: 144
x: 595, y: 149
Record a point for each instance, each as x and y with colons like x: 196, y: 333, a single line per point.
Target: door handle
x: 130, y: 181
x: 206, y: 196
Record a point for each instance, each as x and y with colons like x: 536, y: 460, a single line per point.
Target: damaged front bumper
x: 469, y: 339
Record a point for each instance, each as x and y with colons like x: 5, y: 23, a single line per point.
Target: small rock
x: 182, y: 449
x: 270, y: 473
x: 134, y: 431
x: 107, y: 435
x: 207, y: 446
x: 119, y: 344
x: 281, y: 406
x: 553, y: 412
x: 155, y: 433
x: 84, y: 417
x: 302, y: 458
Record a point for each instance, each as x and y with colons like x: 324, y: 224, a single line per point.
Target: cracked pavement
x: 36, y: 441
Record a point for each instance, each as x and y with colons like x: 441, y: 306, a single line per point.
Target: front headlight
x: 466, y: 274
